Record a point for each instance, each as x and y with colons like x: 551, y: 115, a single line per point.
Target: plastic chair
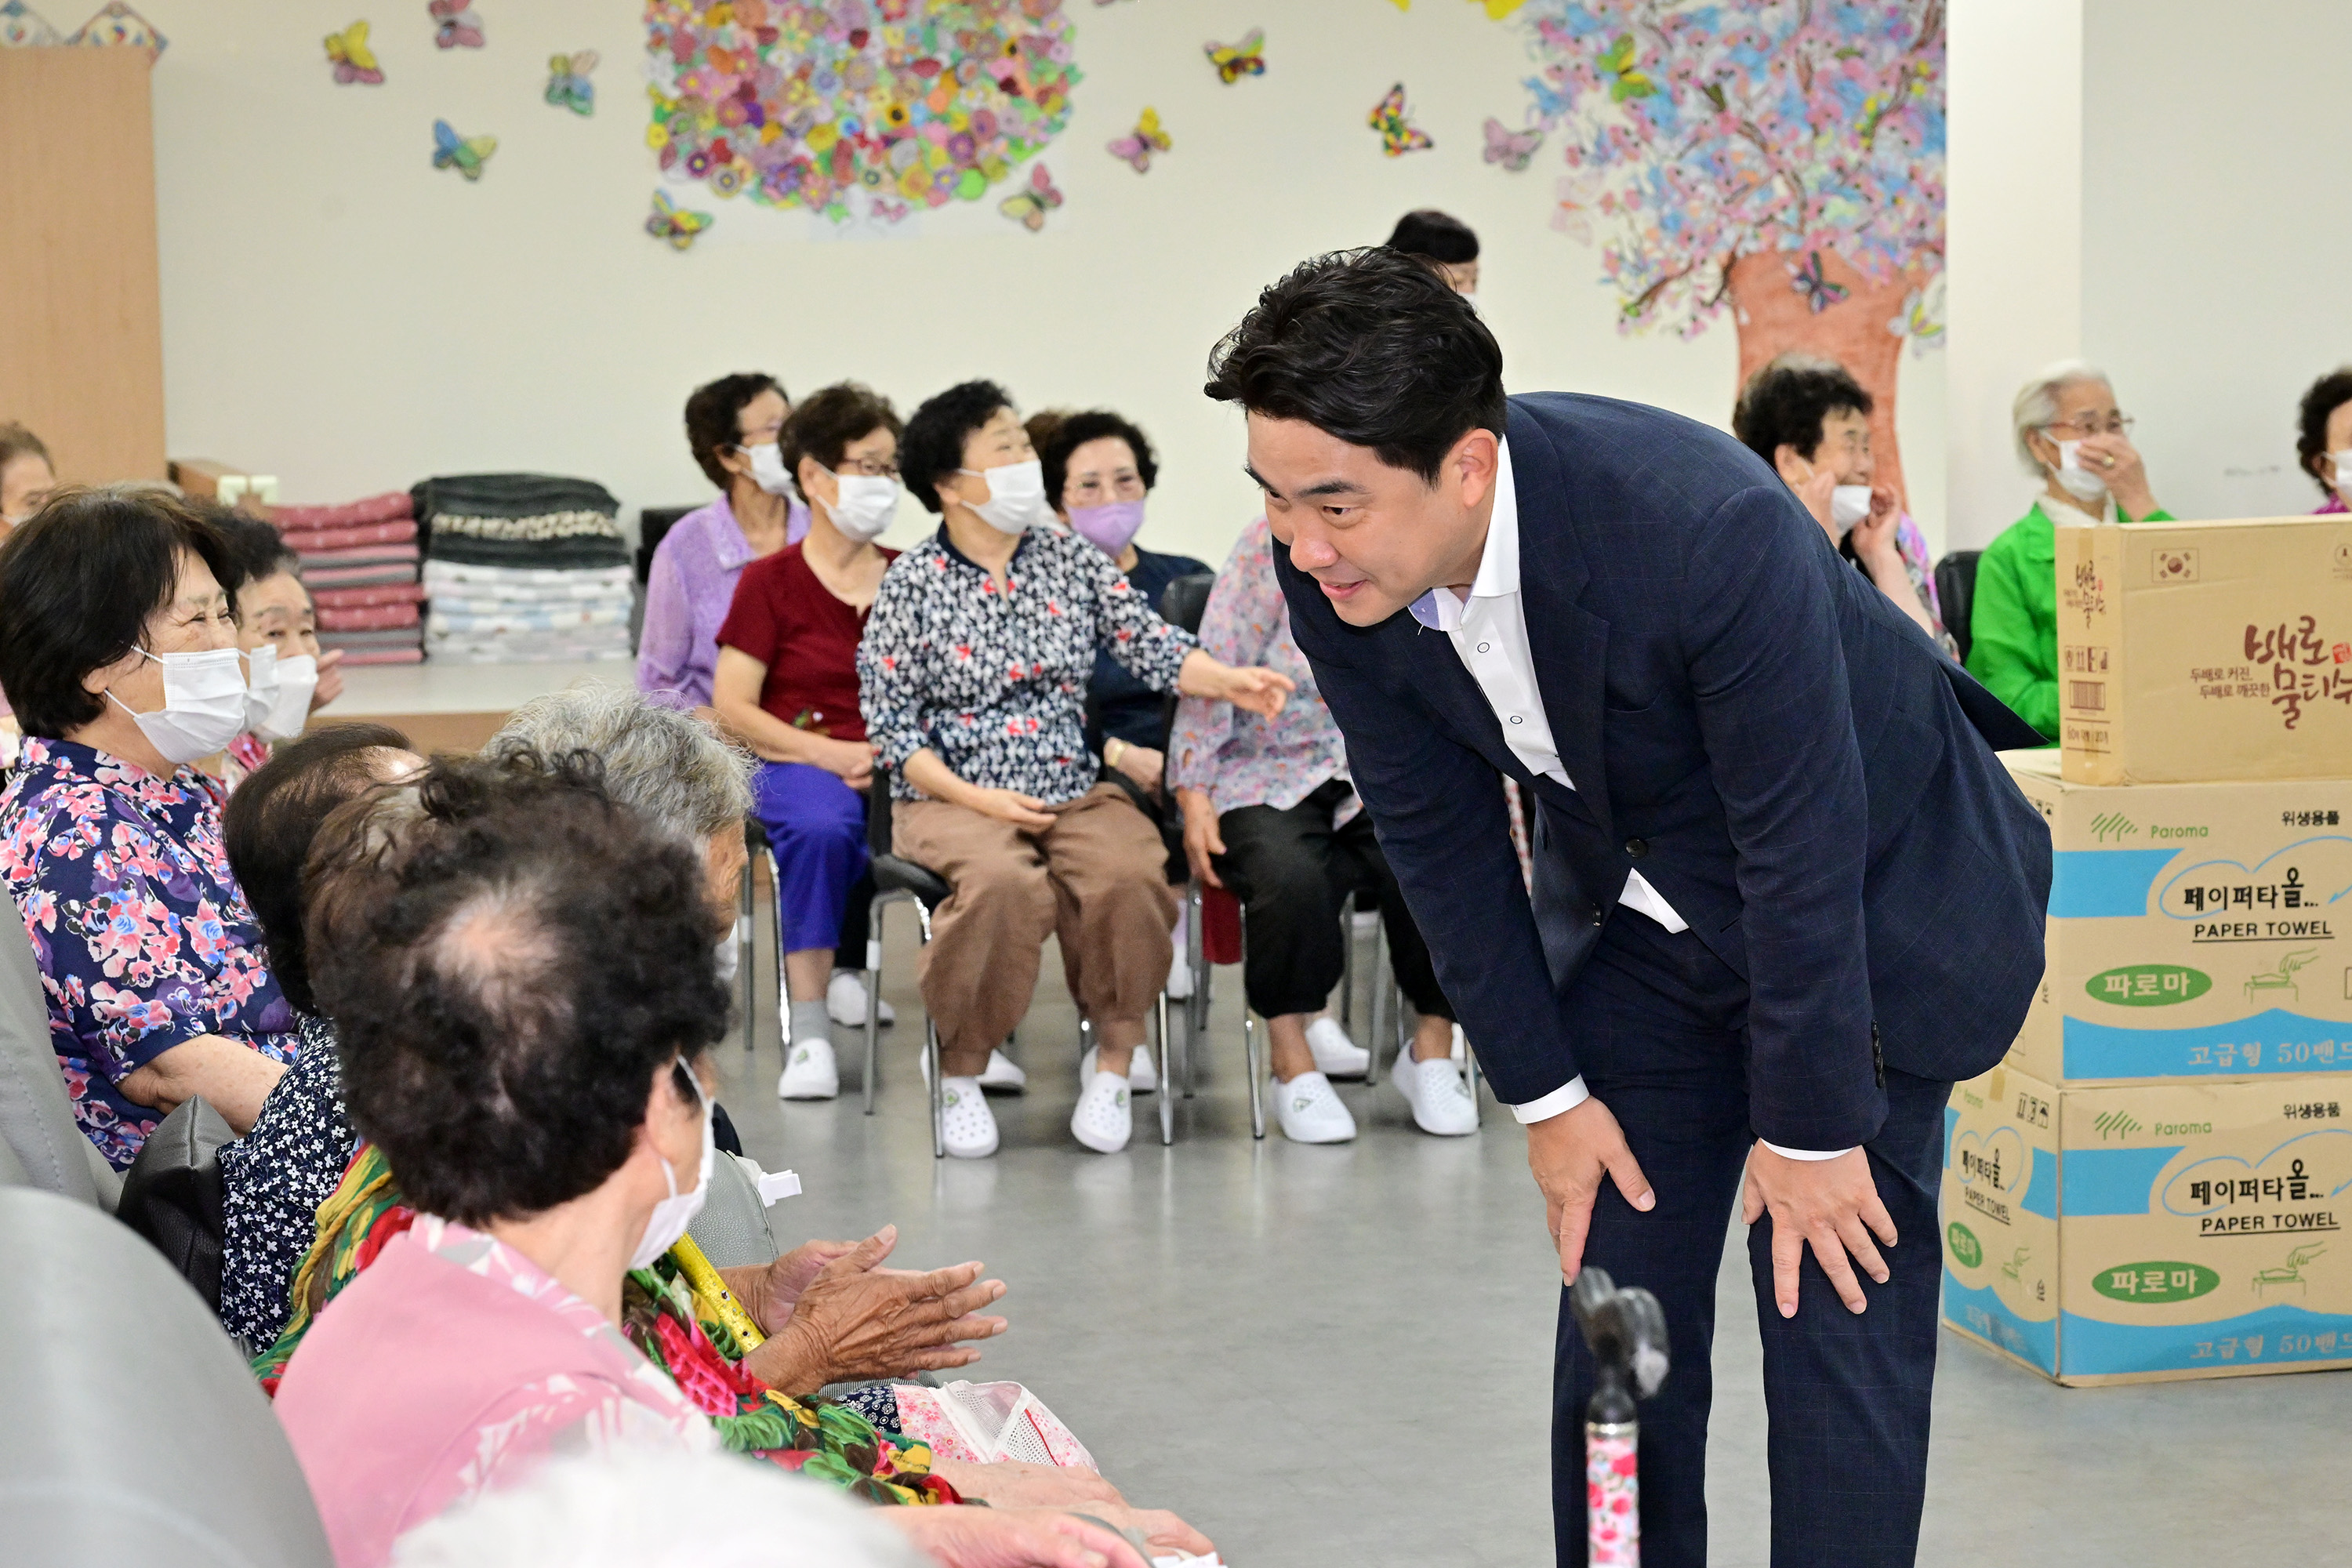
x: 898, y: 881
x: 36, y: 1119
x: 1956, y: 592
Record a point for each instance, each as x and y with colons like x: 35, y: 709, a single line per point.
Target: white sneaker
x: 1461, y: 1051
x: 810, y: 1072
x: 1441, y: 1101
x: 1004, y: 1074
x: 966, y: 1124
x: 1310, y: 1112
x: 1103, y: 1121
x: 1142, y: 1073
x: 1336, y: 1056
x: 844, y: 1000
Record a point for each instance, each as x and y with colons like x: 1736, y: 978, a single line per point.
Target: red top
x: 789, y: 621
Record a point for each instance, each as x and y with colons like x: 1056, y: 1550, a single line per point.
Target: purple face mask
x: 1110, y: 528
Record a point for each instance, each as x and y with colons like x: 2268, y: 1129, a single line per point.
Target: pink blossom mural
x: 1781, y: 158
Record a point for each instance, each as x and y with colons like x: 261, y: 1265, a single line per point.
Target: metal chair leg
x: 873, y: 991
x: 747, y: 955
x: 1347, y: 964
x: 931, y: 1058
x: 1380, y: 969
x: 1196, y: 1006
x: 1167, y: 1085
x: 1249, y: 1058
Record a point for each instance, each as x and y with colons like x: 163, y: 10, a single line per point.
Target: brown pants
x: 1097, y: 878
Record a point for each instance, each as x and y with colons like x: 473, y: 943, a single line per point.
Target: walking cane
x: 1626, y: 1332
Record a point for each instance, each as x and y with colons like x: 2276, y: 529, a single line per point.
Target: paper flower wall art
x: 119, y: 25
x: 21, y: 28
x: 1511, y: 149
x: 353, y: 60
x: 467, y: 154
x: 1398, y: 134
x: 674, y: 224
x: 568, y: 86
x: 1234, y: 61
x: 455, y: 26
x: 796, y: 104
x: 1495, y: 9
x: 1031, y: 202
x: 1145, y: 139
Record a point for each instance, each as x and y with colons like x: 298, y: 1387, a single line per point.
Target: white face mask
x: 290, y: 709
x: 675, y: 1212
x: 203, y: 704
x: 1016, y: 497
x: 865, y: 505
x: 260, y: 685
x: 1849, y: 504
x: 2343, y: 461
x: 730, y: 956
x: 768, y: 468
x: 2076, y: 480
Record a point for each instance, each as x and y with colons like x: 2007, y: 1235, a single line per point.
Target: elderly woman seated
x: 2322, y: 445
x: 2072, y: 438
x: 975, y: 657
x: 522, y: 971
x: 118, y: 651
x: 277, y: 632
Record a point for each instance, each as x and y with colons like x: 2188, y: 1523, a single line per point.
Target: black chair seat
x: 172, y: 1194
x: 892, y: 875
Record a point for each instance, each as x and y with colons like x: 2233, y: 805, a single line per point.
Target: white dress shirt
x: 1488, y: 627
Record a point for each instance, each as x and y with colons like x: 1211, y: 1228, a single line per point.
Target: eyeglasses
x: 2083, y: 427
x: 872, y: 467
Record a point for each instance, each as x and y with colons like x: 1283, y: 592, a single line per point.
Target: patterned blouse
x: 274, y: 1179
x: 994, y: 680
x: 1237, y: 757
x: 144, y: 939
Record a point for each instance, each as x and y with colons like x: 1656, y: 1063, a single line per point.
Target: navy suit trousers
x: 1661, y: 1036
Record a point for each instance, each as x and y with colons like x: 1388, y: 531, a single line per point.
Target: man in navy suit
x: 1784, y: 893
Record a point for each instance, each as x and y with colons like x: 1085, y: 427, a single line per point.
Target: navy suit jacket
x: 1781, y: 752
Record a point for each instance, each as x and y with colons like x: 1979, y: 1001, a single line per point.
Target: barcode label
x: 2088, y: 695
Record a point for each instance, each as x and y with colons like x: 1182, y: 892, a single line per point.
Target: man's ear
x: 1476, y: 461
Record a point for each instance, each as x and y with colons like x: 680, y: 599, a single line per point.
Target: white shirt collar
x: 1441, y: 608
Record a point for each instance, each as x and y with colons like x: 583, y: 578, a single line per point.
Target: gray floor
x: 1342, y: 1355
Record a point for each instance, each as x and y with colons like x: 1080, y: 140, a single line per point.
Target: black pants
x: 1293, y: 871
x: 1662, y: 1030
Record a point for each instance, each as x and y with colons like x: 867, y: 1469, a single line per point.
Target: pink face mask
x: 1110, y: 528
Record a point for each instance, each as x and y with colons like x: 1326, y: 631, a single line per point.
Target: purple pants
x: 816, y: 830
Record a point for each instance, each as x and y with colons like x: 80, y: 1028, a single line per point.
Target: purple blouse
x: 1237, y: 757
x: 692, y: 583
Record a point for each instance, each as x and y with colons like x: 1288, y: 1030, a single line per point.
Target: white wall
x: 339, y: 313
x: 2013, y: 221
x: 2215, y: 230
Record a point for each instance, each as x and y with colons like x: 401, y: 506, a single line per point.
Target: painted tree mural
x: 1783, y: 159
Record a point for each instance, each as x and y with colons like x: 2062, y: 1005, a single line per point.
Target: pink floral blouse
x: 450, y: 1367
x: 1238, y: 758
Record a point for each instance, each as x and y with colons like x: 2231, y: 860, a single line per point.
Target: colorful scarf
x: 680, y: 1327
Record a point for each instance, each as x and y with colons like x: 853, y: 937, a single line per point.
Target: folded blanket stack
x: 523, y: 569
x: 360, y: 563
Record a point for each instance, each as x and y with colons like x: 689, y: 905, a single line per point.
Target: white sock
x: 809, y: 1021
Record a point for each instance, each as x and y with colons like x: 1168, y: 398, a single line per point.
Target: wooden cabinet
x: 81, y: 334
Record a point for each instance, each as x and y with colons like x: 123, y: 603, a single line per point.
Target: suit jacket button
x: 1637, y: 847
x: 1596, y: 917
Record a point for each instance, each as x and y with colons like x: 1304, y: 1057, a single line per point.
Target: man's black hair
x: 1370, y: 346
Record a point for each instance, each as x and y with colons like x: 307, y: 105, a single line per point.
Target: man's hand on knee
x: 1831, y: 1203
x: 1569, y: 1154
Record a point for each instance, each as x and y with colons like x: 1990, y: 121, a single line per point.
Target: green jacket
x: 2013, y: 623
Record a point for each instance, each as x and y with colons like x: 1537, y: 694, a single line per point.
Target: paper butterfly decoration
x: 353, y: 60
x: 1807, y: 278
x: 21, y: 28
x: 674, y: 224
x: 568, y: 86
x: 1234, y: 61
x: 888, y: 210
x: 1148, y: 139
x: 464, y: 153
x: 1398, y: 136
x: 455, y: 26
x: 1032, y: 205
x: 1617, y: 65
x: 1918, y: 322
x: 119, y: 24
x: 1511, y: 149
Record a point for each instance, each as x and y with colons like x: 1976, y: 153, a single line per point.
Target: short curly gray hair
x: 2037, y: 403
x: 664, y: 763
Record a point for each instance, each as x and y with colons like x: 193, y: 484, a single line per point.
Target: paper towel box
x: 2152, y: 1231
x: 2208, y: 650
x: 2195, y: 931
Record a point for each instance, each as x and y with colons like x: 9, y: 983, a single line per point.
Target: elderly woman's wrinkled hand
x: 1011, y: 1538
x: 855, y: 1321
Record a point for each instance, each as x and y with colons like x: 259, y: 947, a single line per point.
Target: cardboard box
x: 2195, y: 931
x: 2151, y: 1233
x: 2211, y: 650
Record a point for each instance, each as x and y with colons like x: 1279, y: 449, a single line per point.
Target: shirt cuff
x: 1804, y: 1154
x: 1567, y: 1097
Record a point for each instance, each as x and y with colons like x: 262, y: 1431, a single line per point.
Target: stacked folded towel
x: 523, y: 568
x: 360, y: 561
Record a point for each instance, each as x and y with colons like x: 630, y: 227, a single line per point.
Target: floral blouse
x: 1237, y: 757
x: 143, y: 937
x: 272, y: 1182
x: 994, y: 680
